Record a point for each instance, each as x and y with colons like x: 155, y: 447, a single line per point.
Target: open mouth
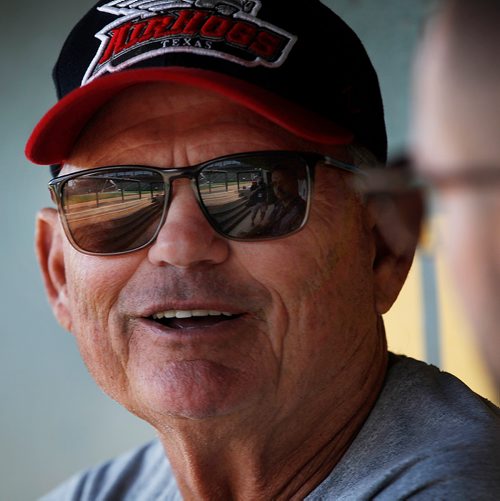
x: 192, y: 319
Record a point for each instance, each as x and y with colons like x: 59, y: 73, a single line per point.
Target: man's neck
x: 286, y: 459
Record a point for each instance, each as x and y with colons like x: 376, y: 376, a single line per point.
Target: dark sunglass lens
x: 113, y: 211
x: 256, y: 196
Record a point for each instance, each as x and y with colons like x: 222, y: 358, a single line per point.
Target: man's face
x: 284, y: 185
x: 456, y: 130
x: 305, y: 306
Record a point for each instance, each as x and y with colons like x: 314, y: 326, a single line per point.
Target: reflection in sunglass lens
x: 256, y: 197
x: 248, y: 197
x: 114, y: 210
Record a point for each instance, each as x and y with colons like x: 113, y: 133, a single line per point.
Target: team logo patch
x: 225, y: 29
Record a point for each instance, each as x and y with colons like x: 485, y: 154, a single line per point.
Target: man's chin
x: 194, y: 389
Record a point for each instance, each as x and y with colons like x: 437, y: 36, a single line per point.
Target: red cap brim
x: 54, y: 136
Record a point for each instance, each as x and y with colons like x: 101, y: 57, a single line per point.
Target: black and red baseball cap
x: 294, y: 62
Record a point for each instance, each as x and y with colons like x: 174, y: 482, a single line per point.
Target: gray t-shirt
x: 427, y: 437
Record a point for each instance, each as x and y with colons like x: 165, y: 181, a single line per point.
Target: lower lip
x: 216, y: 332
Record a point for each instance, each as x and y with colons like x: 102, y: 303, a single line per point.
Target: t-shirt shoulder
x: 428, y: 437
x: 143, y: 473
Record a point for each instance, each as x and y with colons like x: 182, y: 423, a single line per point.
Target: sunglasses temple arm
x: 329, y: 161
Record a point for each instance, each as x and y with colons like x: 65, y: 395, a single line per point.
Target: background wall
x: 54, y: 421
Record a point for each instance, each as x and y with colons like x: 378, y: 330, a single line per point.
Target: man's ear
x: 396, y: 224
x: 48, y: 246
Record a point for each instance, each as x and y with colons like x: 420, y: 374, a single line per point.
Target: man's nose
x: 186, y: 238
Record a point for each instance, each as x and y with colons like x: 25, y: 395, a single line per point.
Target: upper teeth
x: 189, y: 314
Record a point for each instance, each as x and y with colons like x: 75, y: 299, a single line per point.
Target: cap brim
x: 53, y: 138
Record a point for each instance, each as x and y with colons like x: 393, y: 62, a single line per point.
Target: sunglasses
x: 246, y: 197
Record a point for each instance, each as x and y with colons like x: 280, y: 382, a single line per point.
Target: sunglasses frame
x: 477, y: 176
x: 170, y: 174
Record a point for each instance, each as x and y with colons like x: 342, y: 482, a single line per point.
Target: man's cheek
x: 93, y: 292
x: 105, y: 363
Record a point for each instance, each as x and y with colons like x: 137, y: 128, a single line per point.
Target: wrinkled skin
x: 308, y: 351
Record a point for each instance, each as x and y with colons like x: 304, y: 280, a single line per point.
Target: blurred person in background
x: 456, y: 150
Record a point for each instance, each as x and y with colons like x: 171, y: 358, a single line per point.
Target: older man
x: 259, y: 358
x: 457, y: 148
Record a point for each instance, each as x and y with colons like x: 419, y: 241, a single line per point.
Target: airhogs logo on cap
x: 225, y: 29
